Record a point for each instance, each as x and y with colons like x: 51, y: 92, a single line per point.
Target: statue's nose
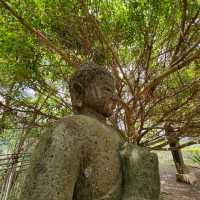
x: 114, y: 97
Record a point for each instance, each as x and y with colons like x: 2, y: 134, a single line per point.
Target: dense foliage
x: 152, y: 48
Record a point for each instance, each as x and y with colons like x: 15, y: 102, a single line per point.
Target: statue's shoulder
x: 68, y: 127
x: 75, y: 121
x: 71, y: 124
x: 81, y: 126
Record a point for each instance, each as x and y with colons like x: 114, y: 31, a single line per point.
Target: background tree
x: 151, y: 47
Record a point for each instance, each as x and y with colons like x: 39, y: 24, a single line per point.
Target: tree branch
x: 173, y: 68
x: 42, y: 38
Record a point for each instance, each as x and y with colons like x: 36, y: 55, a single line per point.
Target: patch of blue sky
x: 28, y: 92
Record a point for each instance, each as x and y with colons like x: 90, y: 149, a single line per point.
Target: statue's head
x: 92, y: 87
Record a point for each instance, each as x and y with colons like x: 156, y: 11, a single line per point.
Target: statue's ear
x: 78, y: 95
x: 79, y: 89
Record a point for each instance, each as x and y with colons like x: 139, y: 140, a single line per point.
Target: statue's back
x: 77, y: 158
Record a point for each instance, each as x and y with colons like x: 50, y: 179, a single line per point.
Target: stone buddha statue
x: 78, y: 156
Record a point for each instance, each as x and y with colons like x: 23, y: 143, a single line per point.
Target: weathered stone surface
x: 141, y: 180
x: 77, y: 158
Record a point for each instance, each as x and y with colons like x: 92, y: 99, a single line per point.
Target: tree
x: 151, y: 47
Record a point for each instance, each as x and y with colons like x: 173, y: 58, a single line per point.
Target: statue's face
x: 99, y: 95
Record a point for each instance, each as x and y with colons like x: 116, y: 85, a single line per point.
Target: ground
x: 172, y: 190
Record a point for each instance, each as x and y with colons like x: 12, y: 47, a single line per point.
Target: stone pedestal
x: 141, y: 180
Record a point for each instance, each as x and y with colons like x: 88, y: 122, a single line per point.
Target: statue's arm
x: 54, y: 167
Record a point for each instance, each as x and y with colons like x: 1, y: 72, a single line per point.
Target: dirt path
x: 172, y: 190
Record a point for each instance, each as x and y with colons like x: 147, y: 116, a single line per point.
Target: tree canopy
x: 151, y: 47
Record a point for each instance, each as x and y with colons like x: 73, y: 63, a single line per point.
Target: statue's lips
x: 108, y: 107
x: 111, y: 106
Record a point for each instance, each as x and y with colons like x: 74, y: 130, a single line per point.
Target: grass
x: 165, y: 157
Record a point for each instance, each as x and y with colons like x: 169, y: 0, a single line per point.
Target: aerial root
x: 188, y: 178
